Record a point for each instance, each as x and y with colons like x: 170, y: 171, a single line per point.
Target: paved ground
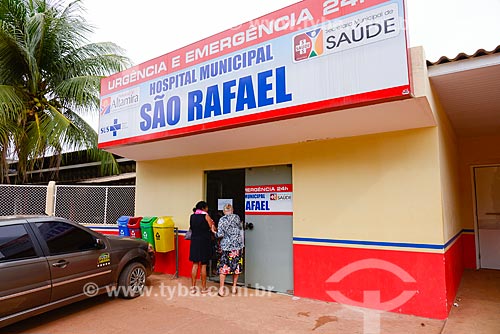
x: 171, y: 309
x: 477, y: 304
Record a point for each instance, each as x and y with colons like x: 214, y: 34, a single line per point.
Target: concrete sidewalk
x: 168, y: 307
x: 477, y: 304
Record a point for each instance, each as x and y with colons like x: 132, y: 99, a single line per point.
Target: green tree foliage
x: 49, y: 79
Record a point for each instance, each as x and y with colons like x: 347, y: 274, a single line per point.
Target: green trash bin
x: 147, y: 230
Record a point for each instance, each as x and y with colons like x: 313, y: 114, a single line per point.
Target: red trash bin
x: 134, y: 227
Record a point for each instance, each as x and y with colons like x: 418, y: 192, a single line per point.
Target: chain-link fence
x: 22, y: 200
x: 120, y: 202
x: 82, y: 204
x: 94, y: 204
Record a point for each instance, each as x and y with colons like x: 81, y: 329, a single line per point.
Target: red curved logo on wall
x: 372, y: 298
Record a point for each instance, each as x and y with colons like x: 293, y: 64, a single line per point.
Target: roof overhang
x: 469, y: 91
x: 383, y: 117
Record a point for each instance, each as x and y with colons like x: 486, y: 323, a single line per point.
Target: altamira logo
x: 124, y: 100
x: 105, y: 106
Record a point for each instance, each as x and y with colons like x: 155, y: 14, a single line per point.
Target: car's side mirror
x: 100, y: 244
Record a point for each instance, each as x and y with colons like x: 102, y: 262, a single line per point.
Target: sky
x: 155, y: 27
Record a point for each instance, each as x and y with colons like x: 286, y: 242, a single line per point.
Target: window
x: 15, y: 243
x: 66, y: 238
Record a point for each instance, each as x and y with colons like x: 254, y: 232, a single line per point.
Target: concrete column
x: 50, y: 200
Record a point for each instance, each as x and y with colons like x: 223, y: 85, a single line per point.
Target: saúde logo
x: 308, y: 45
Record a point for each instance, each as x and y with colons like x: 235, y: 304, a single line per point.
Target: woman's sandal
x: 220, y: 294
x: 234, y: 290
x: 193, y: 290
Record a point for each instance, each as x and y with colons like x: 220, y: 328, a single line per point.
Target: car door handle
x: 60, y: 264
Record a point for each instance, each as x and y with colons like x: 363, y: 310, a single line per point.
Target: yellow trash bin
x: 163, y: 230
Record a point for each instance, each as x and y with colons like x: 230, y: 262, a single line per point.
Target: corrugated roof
x: 463, y: 56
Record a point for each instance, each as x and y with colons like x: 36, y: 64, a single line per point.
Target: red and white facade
x: 330, y: 88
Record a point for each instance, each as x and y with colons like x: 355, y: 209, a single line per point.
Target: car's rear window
x: 15, y: 243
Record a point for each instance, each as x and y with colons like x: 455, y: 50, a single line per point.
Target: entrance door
x: 487, y: 181
x: 269, y: 228
x: 225, y: 186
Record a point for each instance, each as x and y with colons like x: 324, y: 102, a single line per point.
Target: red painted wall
x: 454, y: 264
x: 165, y: 262
x: 469, y: 250
x: 313, y: 265
x: 436, y: 276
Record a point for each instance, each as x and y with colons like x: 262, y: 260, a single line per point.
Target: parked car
x: 48, y: 262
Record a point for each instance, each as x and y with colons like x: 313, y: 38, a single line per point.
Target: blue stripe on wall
x: 452, y: 239
x: 350, y: 242
x: 380, y: 243
x: 370, y: 243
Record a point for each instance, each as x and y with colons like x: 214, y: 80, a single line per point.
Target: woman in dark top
x: 200, y: 250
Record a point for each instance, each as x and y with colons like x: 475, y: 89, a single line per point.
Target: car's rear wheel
x: 132, y: 280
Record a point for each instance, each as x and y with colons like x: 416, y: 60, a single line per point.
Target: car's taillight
x: 151, y: 252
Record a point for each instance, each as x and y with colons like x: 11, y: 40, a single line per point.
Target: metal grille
x: 22, y: 200
x: 120, y: 202
x: 94, y: 204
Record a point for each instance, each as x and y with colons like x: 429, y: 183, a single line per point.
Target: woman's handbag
x: 187, y: 236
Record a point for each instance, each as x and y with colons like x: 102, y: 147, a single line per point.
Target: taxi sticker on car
x: 103, y: 260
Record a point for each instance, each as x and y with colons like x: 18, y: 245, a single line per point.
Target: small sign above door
x: 273, y: 199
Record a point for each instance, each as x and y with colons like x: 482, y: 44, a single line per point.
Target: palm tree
x: 49, y: 79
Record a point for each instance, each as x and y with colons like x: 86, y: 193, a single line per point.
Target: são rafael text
x: 247, y: 92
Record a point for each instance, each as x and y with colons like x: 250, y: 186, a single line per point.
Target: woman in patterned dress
x: 231, y: 261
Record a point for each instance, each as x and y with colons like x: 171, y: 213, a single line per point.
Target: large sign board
x: 311, y: 57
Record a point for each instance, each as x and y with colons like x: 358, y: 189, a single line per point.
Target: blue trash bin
x: 123, y: 226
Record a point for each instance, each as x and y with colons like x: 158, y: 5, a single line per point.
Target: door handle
x: 249, y: 226
x: 60, y: 264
